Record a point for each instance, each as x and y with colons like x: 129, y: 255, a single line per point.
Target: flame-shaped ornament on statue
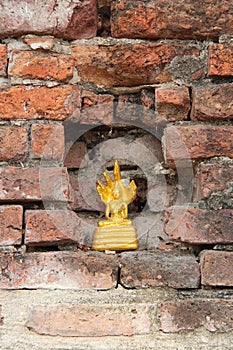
x: 116, y: 232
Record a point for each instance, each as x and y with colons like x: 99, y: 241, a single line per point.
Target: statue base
x: 118, y: 237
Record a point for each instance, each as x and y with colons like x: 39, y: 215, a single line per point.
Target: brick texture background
x: 83, y: 83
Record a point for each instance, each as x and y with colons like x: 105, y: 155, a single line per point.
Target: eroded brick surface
x: 47, y: 142
x: 76, y: 19
x: 40, y: 65
x: 96, y: 109
x: 11, y: 223
x: 220, y: 60
x: 165, y: 19
x: 47, y: 227
x: 172, y: 104
x: 34, y: 184
x: 124, y: 65
x: 14, y: 143
x: 197, y: 142
x: 212, y: 102
x: 213, y: 178
x: 216, y: 268
x: 33, y: 102
x: 90, y: 320
x: 39, y: 42
x: 198, y: 226
x: 145, y: 269
x: 58, y: 270
x: 214, y: 315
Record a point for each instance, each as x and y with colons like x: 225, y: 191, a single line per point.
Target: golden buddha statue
x: 117, y: 231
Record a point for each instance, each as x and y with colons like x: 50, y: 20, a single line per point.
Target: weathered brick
x: 14, y: 143
x: 197, y: 226
x: 125, y: 64
x: 136, y: 109
x: 214, y: 178
x: 216, y: 268
x: 172, y: 104
x: 33, y: 102
x: 52, y: 227
x: 220, y: 60
x: 11, y: 222
x: 40, y: 65
x: 47, y: 142
x: 75, y: 154
x: 163, y: 19
x: 58, y: 270
x: 215, y: 315
x: 34, y: 184
x: 90, y: 320
x: 39, y: 42
x: 96, y: 109
x: 184, y: 142
x: 145, y: 269
x: 76, y: 19
x: 212, y: 102
x: 3, y: 60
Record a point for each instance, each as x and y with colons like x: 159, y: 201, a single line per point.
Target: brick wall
x: 83, y: 83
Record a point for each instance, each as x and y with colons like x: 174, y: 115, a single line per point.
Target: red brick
x: 214, y: 178
x: 76, y: 19
x: 215, y: 315
x: 3, y: 60
x: 75, y: 155
x: 163, y: 19
x: 30, y: 102
x: 216, y: 268
x: 38, y: 42
x: 90, y: 320
x: 84, y: 21
x: 136, y: 109
x: 220, y: 60
x: 48, y: 142
x: 34, y: 184
x: 212, y: 102
x: 126, y: 64
x: 145, y: 269
x: 197, y: 226
x: 58, y: 270
x: 96, y: 109
x: 172, y: 104
x: 197, y: 142
x: 11, y: 221
x: 52, y: 227
x: 40, y: 65
x: 14, y: 143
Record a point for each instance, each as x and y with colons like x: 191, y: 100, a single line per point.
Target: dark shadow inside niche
x: 88, y: 147
x: 104, y: 14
